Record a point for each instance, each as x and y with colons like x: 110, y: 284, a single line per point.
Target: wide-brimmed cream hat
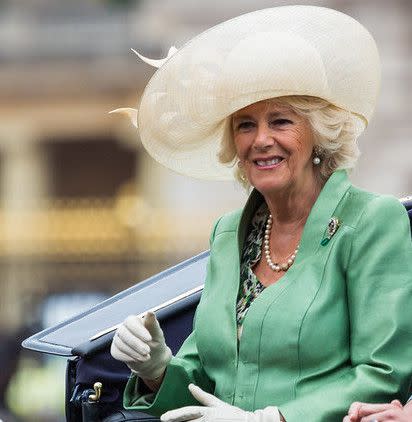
x: 290, y: 50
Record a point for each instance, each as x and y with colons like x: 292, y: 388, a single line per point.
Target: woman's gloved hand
x: 140, y: 343
x: 215, y: 410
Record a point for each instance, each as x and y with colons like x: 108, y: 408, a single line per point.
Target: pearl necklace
x: 276, y: 266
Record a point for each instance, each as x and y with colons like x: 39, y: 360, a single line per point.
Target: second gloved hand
x: 140, y: 343
x: 215, y: 410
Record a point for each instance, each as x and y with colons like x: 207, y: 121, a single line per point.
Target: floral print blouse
x: 250, y: 286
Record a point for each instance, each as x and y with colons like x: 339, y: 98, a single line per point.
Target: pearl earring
x: 316, y: 159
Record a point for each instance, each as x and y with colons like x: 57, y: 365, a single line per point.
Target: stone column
x: 23, y: 182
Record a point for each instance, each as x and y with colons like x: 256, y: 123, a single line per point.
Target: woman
x: 302, y: 309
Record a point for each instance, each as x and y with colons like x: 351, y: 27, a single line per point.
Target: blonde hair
x: 335, y: 133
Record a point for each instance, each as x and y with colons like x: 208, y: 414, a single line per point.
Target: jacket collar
x: 316, y: 225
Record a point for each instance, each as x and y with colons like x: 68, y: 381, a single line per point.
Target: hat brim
x: 290, y: 50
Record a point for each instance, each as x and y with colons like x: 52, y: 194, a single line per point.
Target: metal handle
x: 97, y: 392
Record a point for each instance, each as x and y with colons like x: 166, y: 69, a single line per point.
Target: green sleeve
x: 184, y: 368
x: 379, y: 294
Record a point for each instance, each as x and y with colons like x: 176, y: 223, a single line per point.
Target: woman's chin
x: 270, y: 180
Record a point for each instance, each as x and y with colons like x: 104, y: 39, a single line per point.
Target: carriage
x: 94, y: 380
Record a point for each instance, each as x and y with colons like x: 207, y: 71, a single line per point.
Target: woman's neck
x: 290, y: 208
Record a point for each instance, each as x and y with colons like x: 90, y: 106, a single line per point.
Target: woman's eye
x: 281, y: 122
x: 244, y: 125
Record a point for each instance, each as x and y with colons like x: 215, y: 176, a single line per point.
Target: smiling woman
x: 306, y: 286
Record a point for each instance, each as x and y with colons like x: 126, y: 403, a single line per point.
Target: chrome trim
x: 154, y: 309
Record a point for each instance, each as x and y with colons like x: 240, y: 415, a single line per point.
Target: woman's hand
x: 370, y: 412
x: 140, y: 343
x: 214, y: 409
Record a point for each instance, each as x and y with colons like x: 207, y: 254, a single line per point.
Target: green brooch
x: 333, y: 226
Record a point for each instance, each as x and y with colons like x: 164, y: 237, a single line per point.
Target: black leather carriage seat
x: 101, y: 367
x: 407, y: 202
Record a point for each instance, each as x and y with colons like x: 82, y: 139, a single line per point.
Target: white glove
x: 215, y: 410
x: 140, y: 343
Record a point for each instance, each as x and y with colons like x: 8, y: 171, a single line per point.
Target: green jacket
x: 334, y: 329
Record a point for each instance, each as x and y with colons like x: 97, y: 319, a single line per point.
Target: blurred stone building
x: 82, y: 206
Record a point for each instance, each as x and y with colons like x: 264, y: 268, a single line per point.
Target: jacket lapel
x: 316, y: 225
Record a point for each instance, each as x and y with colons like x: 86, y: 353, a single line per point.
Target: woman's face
x: 274, y: 146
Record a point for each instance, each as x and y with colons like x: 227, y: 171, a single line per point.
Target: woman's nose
x: 263, y: 138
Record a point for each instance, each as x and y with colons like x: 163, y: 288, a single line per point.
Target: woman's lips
x: 269, y: 163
